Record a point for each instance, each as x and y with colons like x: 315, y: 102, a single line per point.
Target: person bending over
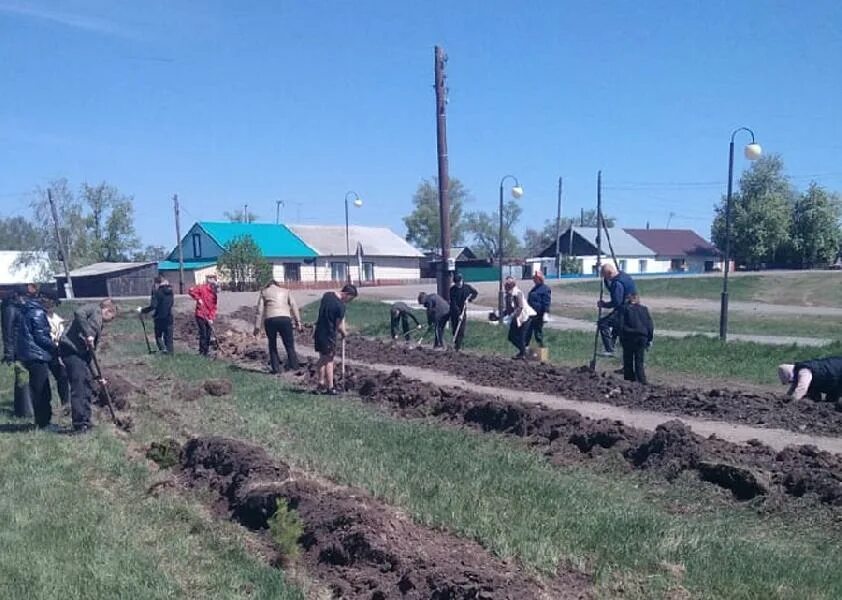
x: 400, y: 314
x: 813, y: 378
x: 438, y: 312
x: 517, y: 312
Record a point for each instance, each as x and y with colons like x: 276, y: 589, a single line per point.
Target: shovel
x: 125, y: 425
x: 461, y: 320
x: 342, y: 367
x: 146, y: 334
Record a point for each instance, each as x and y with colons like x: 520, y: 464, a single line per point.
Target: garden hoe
x: 342, y: 367
x: 146, y: 334
x: 124, y: 424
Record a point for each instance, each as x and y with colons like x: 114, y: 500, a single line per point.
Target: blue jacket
x: 34, y: 342
x: 539, y: 298
x: 620, y: 288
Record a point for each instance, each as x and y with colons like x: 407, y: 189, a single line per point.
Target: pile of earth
x: 770, y: 409
x: 747, y: 470
x: 352, y: 543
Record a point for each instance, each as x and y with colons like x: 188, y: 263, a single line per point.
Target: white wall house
x: 377, y: 254
x: 632, y: 256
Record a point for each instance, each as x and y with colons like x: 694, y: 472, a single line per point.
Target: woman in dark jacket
x: 36, y: 350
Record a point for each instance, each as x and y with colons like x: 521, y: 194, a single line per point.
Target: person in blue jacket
x: 539, y: 298
x: 620, y: 288
x: 36, y: 349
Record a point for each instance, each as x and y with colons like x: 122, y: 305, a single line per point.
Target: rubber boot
x: 23, y: 399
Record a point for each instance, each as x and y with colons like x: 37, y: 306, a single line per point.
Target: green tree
x: 422, y: 224
x: 760, y: 214
x: 17, y: 233
x: 485, y: 229
x: 72, y: 220
x: 241, y: 216
x: 110, y: 223
x: 814, y: 229
x: 242, y: 264
x: 536, y: 241
x: 150, y: 253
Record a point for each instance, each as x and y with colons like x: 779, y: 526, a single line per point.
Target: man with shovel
x: 161, y: 308
x: 329, y: 324
x: 461, y: 294
x: 205, y: 296
x: 438, y: 312
x: 76, y: 348
x: 400, y: 314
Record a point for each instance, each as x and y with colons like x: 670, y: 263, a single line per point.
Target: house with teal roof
x: 307, y: 254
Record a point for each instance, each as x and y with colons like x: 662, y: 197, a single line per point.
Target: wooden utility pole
x: 68, y: 285
x: 558, y: 232
x: 443, y: 279
x: 178, y: 242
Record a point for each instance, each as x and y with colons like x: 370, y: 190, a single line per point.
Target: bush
x: 286, y: 528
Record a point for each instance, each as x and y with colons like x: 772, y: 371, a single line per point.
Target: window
x: 368, y: 271
x: 197, y: 245
x: 339, y: 271
x: 292, y: 272
x: 641, y: 266
x: 622, y: 264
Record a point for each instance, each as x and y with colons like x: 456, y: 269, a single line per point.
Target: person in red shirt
x: 205, y: 297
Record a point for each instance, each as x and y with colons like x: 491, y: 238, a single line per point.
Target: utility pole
x: 558, y: 232
x: 68, y: 284
x: 444, y: 179
x: 178, y: 245
x: 581, y: 217
x: 245, y: 213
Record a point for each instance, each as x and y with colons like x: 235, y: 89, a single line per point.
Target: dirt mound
x: 354, y: 544
x: 166, y: 453
x: 187, y: 392
x: 244, y: 313
x: 120, y: 389
x: 770, y: 409
x: 218, y: 387
x: 673, y: 448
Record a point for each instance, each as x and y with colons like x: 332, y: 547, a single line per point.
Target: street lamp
x: 752, y: 152
x: 517, y: 192
x: 358, y: 203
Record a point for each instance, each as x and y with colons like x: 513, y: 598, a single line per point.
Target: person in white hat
x: 813, y: 378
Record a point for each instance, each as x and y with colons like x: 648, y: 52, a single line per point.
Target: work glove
x: 139, y: 310
x: 419, y: 326
x: 89, y: 342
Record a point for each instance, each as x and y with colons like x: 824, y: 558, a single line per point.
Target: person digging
x: 400, y: 314
x: 205, y: 296
x: 438, y: 313
x: 277, y: 314
x: 160, y: 306
x: 620, y: 287
x: 516, y: 313
x: 461, y: 294
x: 329, y: 324
x: 813, y: 379
x: 76, y: 349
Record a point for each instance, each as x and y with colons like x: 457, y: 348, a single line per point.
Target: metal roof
x: 16, y: 274
x: 623, y: 243
x: 103, y: 268
x: 189, y: 265
x: 329, y: 240
x: 274, y: 241
x: 674, y: 242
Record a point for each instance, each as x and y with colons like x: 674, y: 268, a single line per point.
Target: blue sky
x: 229, y: 103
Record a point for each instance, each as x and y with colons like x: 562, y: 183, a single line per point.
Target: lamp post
x: 752, y: 152
x: 358, y: 203
x: 517, y: 192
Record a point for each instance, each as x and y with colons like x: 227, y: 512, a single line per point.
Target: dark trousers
x: 439, y: 325
x: 204, y: 335
x: 81, y: 389
x: 458, y: 324
x: 62, y: 382
x: 163, y: 334
x: 39, y: 389
x: 282, y: 326
x: 606, y: 327
x: 535, y: 328
x: 517, y: 336
x: 634, y: 352
x: 401, y: 319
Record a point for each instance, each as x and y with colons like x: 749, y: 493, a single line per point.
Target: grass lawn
x: 77, y: 523
x: 706, y: 321
x: 513, y: 502
x: 683, y: 359
x: 810, y: 288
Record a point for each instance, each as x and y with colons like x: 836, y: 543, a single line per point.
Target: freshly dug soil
x: 769, y: 409
x: 187, y: 392
x: 120, y: 389
x: 357, y: 546
x: 218, y: 387
x: 747, y: 470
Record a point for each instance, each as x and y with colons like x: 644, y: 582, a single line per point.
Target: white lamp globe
x: 517, y: 191
x: 753, y: 151
x: 358, y: 202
